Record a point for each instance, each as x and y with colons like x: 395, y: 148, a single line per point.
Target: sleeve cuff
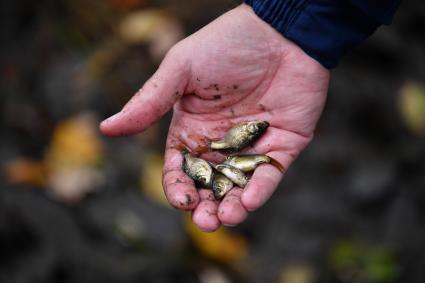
x: 324, y: 29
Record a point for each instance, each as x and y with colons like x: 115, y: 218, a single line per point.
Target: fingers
x: 205, y: 214
x: 153, y: 100
x: 261, y: 186
x: 266, y: 177
x: 178, y: 187
x: 231, y: 210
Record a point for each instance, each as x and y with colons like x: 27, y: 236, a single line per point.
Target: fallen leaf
x: 75, y: 143
x: 24, y: 171
x: 73, y: 159
x: 222, y: 245
x: 360, y: 262
x: 412, y: 107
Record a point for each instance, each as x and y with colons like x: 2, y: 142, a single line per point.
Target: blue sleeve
x: 325, y: 29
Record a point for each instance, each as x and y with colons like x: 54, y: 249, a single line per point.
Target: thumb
x: 153, y: 100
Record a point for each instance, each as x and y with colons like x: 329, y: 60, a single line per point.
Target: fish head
x: 221, y: 185
x: 257, y: 127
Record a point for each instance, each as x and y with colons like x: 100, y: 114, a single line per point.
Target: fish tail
x: 277, y: 164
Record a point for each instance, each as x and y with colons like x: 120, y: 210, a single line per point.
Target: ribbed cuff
x: 324, y: 29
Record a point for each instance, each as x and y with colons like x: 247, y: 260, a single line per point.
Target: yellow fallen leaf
x: 222, y: 245
x: 412, y: 107
x: 25, y: 171
x: 75, y: 143
x: 151, y: 178
x: 73, y: 159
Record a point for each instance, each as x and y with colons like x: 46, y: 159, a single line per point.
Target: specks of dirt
x: 262, y: 107
x: 212, y: 86
x: 175, y: 182
x: 200, y: 97
x: 232, y: 110
x: 198, y: 79
x: 188, y: 199
x: 211, y: 197
x: 217, y: 96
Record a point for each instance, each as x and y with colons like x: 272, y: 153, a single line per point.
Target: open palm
x: 235, y: 69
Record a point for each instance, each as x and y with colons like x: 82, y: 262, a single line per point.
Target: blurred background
x: 76, y: 206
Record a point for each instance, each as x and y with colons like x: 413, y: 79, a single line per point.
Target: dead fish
x: 221, y: 185
x: 240, y: 136
x: 234, y: 174
x: 198, y: 169
x: 248, y: 162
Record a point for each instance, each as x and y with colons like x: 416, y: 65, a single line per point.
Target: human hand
x: 237, y: 68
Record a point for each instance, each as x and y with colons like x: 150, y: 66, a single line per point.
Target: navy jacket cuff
x: 325, y: 29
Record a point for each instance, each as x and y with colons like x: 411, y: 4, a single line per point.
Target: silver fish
x: 221, y: 185
x: 198, y: 169
x: 248, y: 162
x: 234, y: 174
x: 240, y: 136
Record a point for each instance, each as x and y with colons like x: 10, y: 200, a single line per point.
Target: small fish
x: 198, y: 169
x: 221, y: 185
x: 234, y: 174
x: 248, y: 162
x: 240, y: 136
